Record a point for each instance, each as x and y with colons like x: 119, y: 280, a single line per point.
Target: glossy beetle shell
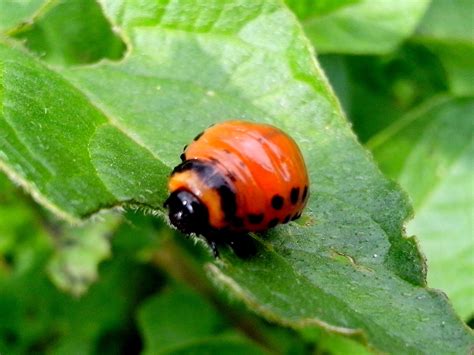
x: 249, y: 176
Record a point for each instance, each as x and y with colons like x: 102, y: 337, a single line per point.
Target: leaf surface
x: 79, y: 251
x: 14, y: 13
x: 179, y: 321
x: 358, y: 26
x: 87, y: 138
x: 448, y: 30
x: 72, y: 32
x: 438, y: 137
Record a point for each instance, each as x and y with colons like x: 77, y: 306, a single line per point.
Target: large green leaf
x: 358, y: 26
x: 430, y: 152
x: 96, y: 137
x: 448, y: 30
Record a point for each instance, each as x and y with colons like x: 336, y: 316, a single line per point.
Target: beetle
x: 237, y: 177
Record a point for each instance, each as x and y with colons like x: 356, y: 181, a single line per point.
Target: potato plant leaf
x: 439, y: 137
x: 358, y: 26
x: 88, y: 138
x: 448, y: 30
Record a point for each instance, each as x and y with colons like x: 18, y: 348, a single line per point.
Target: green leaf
x: 376, y: 90
x: 14, y: 13
x: 73, y: 32
x: 430, y: 152
x: 79, y: 250
x: 180, y: 321
x: 335, y: 344
x: 36, y: 317
x: 89, y: 138
x: 358, y: 26
x: 447, y: 29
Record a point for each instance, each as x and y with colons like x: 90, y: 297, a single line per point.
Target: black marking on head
x: 296, y: 216
x: 187, y: 213
x: 305, y: 193
x: 182, y: 157
x: 214, y: 179
x: 273, y: 223
x: 295, y: 193
x: 287, y: 219
x: 255, y: 218
x: 277, y: 202
x: 198, y: 136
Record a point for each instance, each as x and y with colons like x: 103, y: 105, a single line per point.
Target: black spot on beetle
x: 305, y: 193
x: 296, y: 216
x: 295, y: 193
x: 238, y: 222
x: 232, y: 177
x: 287, y: 219
x: 227, y: 151
x: 277, y: 202
x: 182, y: 157
x: 198, y: 136
x: 273, y: 223
x: 255, y: 218
x: 228, y: 201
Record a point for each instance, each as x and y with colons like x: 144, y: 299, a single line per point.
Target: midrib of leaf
x: 382, y: 137
x: 394, y: 129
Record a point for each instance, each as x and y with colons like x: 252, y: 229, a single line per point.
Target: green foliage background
x: 97, y: 100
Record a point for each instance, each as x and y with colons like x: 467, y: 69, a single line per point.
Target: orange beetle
x: 238, y: 177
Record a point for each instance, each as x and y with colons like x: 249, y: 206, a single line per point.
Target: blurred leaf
x: 335, y: 344
x: 430, y: 152
x: 223, y: 345
x: 177, y: 316
x: 95, y: 137
x: 15, y: 13
x: 180, y: 321
x: 38, y: 318
x: 358, y: 26
x: 73, y: 32
x: 79, y: 250
x: 376, y: 90
x: 448, y: 30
